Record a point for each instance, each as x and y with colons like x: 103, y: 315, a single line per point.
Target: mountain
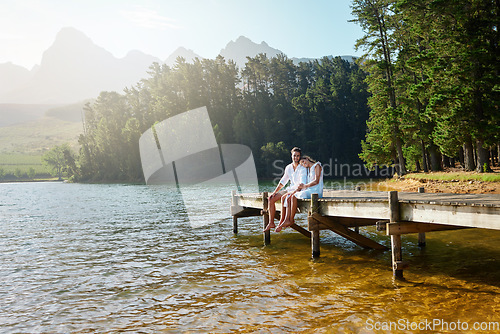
x: 74, y: 68
x: 188, y: 55
x: 42, y: 107
x: 241, y: 48
x: 296, y: 61
x: 12, y: 76
x: 11, y: 114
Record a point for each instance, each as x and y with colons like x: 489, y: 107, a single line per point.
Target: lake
x: 124, y: 258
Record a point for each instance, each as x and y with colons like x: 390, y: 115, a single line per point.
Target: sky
x: 299, y: 28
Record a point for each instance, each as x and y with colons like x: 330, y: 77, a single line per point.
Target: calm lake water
x: 124, y: 258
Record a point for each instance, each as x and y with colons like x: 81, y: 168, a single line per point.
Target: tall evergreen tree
x: 379, y: 21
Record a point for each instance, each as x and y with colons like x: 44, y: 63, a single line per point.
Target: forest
x: 423, y: 97
x: 433, y: 73
x: 271, y: 106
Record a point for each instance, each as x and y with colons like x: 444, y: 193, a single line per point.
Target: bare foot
x: 269, y: 227
x: 282, y: 219
x: 281, y: 226
x: 286, y: 223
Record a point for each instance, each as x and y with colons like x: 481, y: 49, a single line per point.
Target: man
x: 296, y: 174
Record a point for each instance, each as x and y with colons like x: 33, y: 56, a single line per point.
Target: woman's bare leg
x: 285, y: 215
x: 293, y: 209
x: 284, y: 208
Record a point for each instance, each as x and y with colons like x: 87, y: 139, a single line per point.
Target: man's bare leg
x: 271, y: 209
x: 290, y: 216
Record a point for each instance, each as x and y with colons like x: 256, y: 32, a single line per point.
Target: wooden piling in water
x: 421, y: 236
x: 235, y: 218
x: 356, y: 229
x: 397, y: 251
x: 235, y: 225
x: 265, y: 218
x: 315, y: 232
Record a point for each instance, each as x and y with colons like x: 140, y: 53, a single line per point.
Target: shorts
x: 306, y: 193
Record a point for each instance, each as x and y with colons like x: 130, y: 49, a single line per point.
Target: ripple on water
x: 110, y: 258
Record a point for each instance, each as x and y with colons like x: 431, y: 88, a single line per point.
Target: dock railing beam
x: 265, y: 218
x: 315, y: 232
x: 397, y: 252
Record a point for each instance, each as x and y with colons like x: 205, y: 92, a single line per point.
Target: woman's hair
x: 306, y: 157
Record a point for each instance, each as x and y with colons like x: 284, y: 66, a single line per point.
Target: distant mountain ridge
x: 13, y: 76
x: 188, y: 55
x: 73, y: 69
x: 243, y: 47
x: 305, y: 60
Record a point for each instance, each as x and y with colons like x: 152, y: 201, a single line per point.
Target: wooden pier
x: 343, y: 212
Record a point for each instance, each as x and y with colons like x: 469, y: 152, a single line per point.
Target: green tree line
x: 433, y: 77
x: 270, y: 105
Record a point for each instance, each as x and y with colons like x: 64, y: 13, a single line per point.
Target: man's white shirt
x: 296, y: 177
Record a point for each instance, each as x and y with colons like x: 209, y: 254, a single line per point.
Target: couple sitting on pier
x: 306, y: 178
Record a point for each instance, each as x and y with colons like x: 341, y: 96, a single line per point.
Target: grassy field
x: 23, y: 145
x: 39, y: 136
x: 9, y: 162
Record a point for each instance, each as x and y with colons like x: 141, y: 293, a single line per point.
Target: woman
x: 314, y: 185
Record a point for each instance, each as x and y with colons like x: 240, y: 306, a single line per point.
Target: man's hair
x: 296, y: 149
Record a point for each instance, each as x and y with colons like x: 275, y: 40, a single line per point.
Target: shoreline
x: 34, y: 180
x: 402, y: 184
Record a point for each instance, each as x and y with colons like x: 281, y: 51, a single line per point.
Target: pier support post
x: 235, y: 225
x: 315, y: 232
x: 421, y: 235
x: 397, y: 252
x: 265, y: 218
x: 235, y: 219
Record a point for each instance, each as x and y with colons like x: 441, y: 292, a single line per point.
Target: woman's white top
x: 317, y: 188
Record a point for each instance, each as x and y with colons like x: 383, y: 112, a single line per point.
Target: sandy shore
x: 464, y: 183
x: 435, y: 186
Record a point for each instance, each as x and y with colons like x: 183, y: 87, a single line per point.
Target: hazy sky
x: 299, y: 28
